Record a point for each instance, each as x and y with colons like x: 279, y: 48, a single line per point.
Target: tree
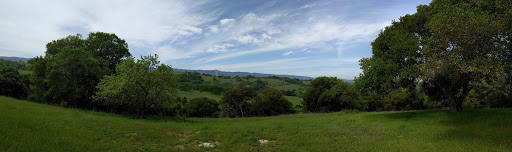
x: 73, y: 66
x: 271, y: 102
x: 202, y: 107
x: 457, y: 43
x: 328, y: 94
x: 234, y: 102
x: 141, y: 88
x: 470, y: 40
x: 12, y: 84
x: 395, y: 61
x: 315, y: 89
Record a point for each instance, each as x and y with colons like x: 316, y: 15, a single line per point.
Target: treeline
x: 12, y: 64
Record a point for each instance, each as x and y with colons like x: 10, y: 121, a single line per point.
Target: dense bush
x: 201, y: 107
x: 13, y: 84
x: 330, y: 94
x: 270, y: 102
x: 404, y: 99
x: 191, y: 77
x: 143, y: 88
x: 234, y: 102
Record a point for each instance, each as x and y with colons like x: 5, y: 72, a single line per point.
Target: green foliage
x: 191, y: 77
x: 12, y: 84
x: 201, y: 107
x: 234, y: 102
x: 404, y: 99
x: 143, y: 87
x: 487, y: 94
x: 72, y: 67
x: 447, y: 45
x: 270, y: 102
x: 330, y: 94
x: 15, y: 65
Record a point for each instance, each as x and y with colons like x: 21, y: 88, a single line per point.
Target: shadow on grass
x: 164, y: 119
x: 483, y: 127
x: 407, y: 115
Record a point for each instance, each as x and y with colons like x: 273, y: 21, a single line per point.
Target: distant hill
x: 15, y: 59
x: 243, y: 74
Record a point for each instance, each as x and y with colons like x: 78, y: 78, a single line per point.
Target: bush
x: 330, y: 94
x: 201, y: 107
x: 270, y: 102
x: 234, y: 103
x: 403, y: 99
x: 12, y: 84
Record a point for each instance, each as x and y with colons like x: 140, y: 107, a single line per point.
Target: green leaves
x: 143, y: 87
x: 68, y: 73
x: 328, y: 94
x: 270, y: 102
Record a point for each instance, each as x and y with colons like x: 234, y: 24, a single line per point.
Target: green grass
x: 25, y: 72
x: 27, y: 126
x: 196, y: 94
x: 294, y: 100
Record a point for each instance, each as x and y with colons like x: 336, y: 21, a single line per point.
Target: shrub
x: 403, y: 99
x: 201, y: 107
x: 270, y: 102
x: 330, y: 94
x: 234, y: 103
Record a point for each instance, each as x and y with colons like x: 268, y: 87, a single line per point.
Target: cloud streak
x: 280, y: 36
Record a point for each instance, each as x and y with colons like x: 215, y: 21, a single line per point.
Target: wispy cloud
x: 320, y: 35
x: 287, y: 53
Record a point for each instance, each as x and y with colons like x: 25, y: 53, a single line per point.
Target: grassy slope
x: 29, y: 126
x: 196, y: 94
x: 272, y: 83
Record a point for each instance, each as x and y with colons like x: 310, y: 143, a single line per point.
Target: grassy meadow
x: 28, y: 126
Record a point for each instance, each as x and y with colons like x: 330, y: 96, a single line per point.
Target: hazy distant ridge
x: 242, y: 74
x: 15, y: 59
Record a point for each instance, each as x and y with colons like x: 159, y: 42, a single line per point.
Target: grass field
x: 27, y: 126
x: 196, y: 94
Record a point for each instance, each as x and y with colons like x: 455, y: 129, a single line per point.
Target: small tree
x: 234, y: 103
x: 271, y: 102
x: 201, y: 107
x: 330, y: 94
x: 144, y: 87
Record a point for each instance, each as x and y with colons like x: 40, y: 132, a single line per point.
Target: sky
x: 294, y: 37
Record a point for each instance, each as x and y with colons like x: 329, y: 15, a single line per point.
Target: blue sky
x: 296, y: 37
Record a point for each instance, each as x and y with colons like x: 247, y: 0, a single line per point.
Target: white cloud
x: 296, y: 64
x: 243, y: 66
x: 213, y: 28
x: 219, y: 48
x: 287, y: 53
x: 166, y: 53
x: 226, y: 21
x: 27, y: 26
x: 312, y: 5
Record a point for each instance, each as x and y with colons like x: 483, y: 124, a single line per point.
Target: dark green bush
x: 270, y: 102
x: 201, y: 107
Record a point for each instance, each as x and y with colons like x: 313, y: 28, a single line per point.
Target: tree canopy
x: 447, y: 45
x: 72, y: 67
x: 143, y: 87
